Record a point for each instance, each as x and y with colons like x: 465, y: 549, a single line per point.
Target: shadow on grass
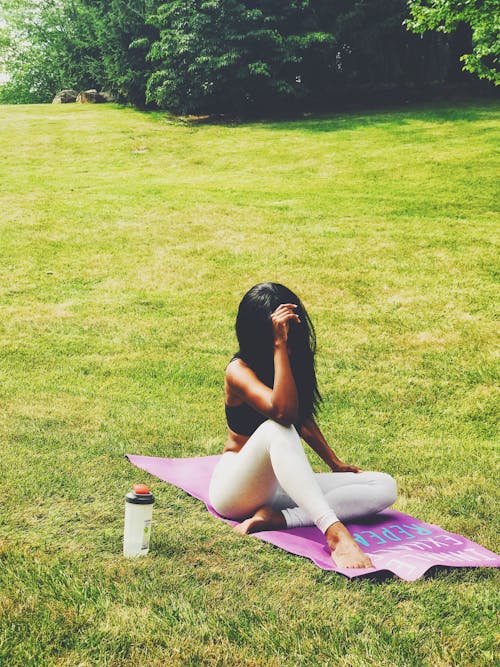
x: 392, y: 118
x: 452, y: 575
x: 388, y: 118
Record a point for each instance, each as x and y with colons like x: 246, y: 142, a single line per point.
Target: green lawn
x: 126, y: 243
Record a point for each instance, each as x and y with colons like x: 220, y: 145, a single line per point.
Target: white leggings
x: 272, y: 469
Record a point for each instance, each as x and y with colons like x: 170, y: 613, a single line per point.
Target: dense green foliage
x: 45, y: 47
x: 229, y: 54
x: 75, y: 44
x: 124, y: 37
x: 483, y: 18
x: 199, y: 56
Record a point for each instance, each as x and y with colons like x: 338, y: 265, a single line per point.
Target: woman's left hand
x: 344, y: 467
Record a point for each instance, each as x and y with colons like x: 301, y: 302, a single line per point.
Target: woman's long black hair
x: 255, y: 335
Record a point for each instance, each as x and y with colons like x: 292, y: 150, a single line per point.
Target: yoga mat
x: 396, y: 542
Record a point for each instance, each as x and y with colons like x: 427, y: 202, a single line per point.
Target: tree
x: 230, y: 55
x: 47, y: 46
x: 234, y: 55
x: 374, y: 49
x: 124, y: 35
x: 53, y: 44
x: 206, y: 56
x: 483, y: 19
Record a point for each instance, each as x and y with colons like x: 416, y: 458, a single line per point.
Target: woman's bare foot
x: 345, y: 551
x: 265, y: 518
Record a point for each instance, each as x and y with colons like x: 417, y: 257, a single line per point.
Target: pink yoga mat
x: 396, y: 542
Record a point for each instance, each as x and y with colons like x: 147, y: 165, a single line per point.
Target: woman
x: 271, y: 397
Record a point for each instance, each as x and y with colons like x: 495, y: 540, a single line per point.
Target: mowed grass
x: 127, y: 241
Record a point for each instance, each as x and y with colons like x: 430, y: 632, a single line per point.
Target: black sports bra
x: 243, y: 419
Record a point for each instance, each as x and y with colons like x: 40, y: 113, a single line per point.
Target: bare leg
x: 345, y: 551
x: 265, y: 518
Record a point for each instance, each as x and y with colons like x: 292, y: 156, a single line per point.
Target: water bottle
x: 138, y: 514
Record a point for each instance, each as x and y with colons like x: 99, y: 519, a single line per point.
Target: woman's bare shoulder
x: 235, y: 368
x: 238, y: 373
x: 242, y: 385
x: 232, y: 381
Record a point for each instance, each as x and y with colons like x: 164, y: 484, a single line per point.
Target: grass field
x: 127, y: 241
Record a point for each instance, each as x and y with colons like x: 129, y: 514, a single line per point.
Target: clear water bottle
x: 138, y: 515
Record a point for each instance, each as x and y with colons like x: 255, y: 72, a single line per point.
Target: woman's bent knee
x: 389, y: 487
x: 224, y: 506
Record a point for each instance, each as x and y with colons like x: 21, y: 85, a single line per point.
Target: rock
x: 90, y: 96
x: 65, y: 96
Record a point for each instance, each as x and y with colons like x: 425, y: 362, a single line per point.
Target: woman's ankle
x: 335, y: 532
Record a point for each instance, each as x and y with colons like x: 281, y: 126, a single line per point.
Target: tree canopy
x: 54, y: 44
x: 226, y: 53
x: 483, y: 19
x: 205, y: 56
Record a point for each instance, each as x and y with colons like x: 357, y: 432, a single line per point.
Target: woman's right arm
x: 280, y: 403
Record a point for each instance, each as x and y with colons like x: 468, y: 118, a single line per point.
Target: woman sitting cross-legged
x: 264, y: 478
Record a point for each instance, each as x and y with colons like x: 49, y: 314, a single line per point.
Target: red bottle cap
x: 139, y: 489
